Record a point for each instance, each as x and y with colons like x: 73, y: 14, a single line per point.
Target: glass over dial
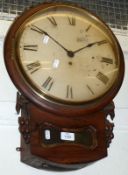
x: 67, y: 55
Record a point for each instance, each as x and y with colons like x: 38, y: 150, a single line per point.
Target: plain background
x: 117, y: 160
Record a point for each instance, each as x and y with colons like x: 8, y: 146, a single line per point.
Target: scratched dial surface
x: 67, y: 55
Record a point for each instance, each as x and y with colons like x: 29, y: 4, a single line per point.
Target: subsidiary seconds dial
x: 66, y: 56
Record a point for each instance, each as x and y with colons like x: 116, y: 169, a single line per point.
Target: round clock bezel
x: 47, y: 103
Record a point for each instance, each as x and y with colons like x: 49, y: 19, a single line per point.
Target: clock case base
x: 93, y: 134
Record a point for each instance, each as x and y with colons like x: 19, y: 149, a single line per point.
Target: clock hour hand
x: 90, y: 45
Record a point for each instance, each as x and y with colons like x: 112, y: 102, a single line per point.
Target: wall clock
x: 68, y: 66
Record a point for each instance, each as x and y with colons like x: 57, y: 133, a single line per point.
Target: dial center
x: 70, y: 53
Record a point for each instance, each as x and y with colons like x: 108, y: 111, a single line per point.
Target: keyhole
x: 70, y: 63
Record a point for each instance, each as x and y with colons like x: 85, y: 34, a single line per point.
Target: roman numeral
x: 107, y: 60
x: 88, y: 28
x: 48, y: 83
x: 72, y: 21
x: 69, y: 93
x: 31, y: 47
x: 33, y: 67
x: 116, y: 62
x: 103, y: 78
x: 89, y: 88
x: 102, y: 42
x: 52, y: 21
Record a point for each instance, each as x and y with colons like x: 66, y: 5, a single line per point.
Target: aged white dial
x: 67, y: 55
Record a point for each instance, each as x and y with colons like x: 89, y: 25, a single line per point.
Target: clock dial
x: 66, y: 55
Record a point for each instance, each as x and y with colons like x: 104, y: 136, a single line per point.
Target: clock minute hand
x: 69, y: 53
x: 55, y: 41
x: 41, y: 31
x: 90, y: 45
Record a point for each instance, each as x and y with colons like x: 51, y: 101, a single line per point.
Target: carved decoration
x: 109, y: 111
x: 24, y: 128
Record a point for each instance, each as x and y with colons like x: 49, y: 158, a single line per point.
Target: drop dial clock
x: 67, y: 63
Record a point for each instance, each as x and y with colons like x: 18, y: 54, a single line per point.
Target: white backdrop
x: 115, y: 163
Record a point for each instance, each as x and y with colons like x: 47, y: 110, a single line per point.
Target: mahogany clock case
x: 40, y: 114
x: 93, y: 135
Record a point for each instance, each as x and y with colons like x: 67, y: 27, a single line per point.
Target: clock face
x: 67, y: 55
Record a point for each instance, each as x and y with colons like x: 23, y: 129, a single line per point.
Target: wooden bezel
x: 43, y: 103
